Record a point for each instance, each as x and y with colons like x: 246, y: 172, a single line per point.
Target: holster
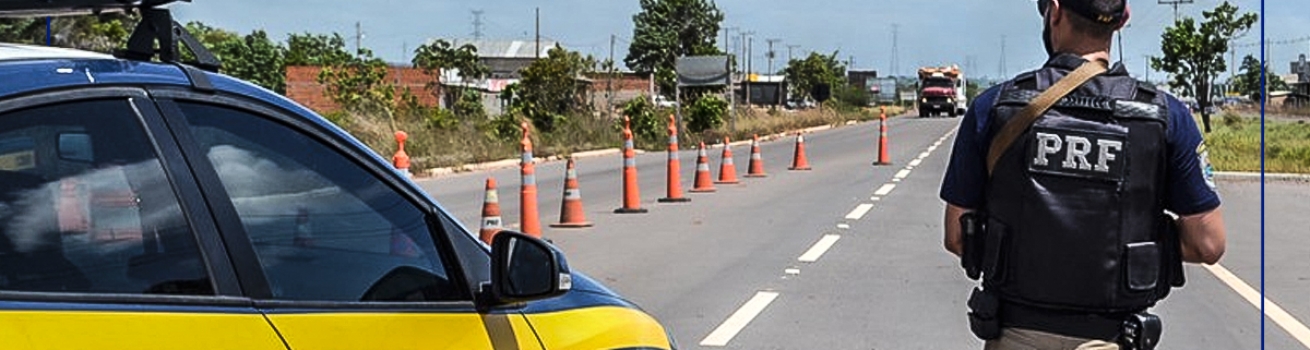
x: 1171, y: 249
x: 984, y: 314
x: 973, y: 232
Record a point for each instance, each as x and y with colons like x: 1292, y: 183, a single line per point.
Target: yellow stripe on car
x: 32, y: 330
x: 605, y: 327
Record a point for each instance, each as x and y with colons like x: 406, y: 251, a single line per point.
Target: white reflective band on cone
x: 572, y: 194
x: 629, y: 162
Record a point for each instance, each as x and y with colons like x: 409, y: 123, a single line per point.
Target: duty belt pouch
x: 974, y: 234
x: 984, y: 314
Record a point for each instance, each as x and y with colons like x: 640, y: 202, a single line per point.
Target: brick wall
x: 626, y: 86
x: 303, y: 86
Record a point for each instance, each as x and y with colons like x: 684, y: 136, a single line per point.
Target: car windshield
x: 938, y: 83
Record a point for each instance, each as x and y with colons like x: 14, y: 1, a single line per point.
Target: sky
x: 987, y: 38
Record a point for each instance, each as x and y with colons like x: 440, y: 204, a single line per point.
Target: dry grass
x: 1234, y: 145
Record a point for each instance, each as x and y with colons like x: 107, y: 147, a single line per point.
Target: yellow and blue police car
x: 151, y: 204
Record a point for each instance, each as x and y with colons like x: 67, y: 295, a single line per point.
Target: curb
x: 1233, y: 175
x: 513, y: 162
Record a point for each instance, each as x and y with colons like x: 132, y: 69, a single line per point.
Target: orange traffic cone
x: 631, y: 193
x: 883, y: 159
x: 799, y: 162
x: 704, y: 182
x: 727, y: 171
x: 530, y: 221
x: 401, y: 159
x: 674, y: 178
x: 571, y: 214
x: 491, y: 223
x: 756, y: 167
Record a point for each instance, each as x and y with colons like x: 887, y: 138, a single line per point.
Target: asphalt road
x: 849, y: 256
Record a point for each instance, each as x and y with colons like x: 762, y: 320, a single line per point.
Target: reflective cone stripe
x: 883, y: 159
x: 727, y: 170
x: 704, y: 183
x: 491, y: 223
x: 631, y: 193
x: 674, y: 193
x: 530, y: 219
x: 756, y: 167
x: 571, y: 214
x: 799, y: 162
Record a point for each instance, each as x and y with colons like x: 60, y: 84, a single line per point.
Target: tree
x: 464, y: 61
x: 359, y: 84
x: 102, y: 33
x: 813, y: 70
x: 1247, y: 82
x: 668, y: 29
x: 1195, y: 55
x: 253, y: 57
x: 316, y: 50
x: 550, y: 88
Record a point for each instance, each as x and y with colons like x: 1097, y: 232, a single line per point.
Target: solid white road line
x: 819, y: 248
x: 884, y: 190
x: 1297, y: 329
x: 738, y: 321
x: 859, y: 211
x: 903, y: 173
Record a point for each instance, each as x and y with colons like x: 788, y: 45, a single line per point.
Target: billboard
x: 702, y: 70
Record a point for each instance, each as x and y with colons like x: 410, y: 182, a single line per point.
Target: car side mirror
x: 526, y: 268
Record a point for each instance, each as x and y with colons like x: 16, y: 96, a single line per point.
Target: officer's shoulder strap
x: 1039, y: 105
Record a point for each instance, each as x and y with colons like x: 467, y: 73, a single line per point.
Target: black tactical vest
x: 1073, y: 203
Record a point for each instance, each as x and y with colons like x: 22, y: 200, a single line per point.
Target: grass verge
x: 1234, y: 145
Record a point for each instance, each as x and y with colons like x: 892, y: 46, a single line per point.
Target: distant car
x: 157, y: 205
x: 664, y: 102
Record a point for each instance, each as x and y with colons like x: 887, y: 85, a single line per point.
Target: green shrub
x: 706, y: 113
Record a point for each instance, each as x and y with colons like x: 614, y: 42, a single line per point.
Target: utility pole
x: 770, y: 55
x: 1175, y: 4
x: 745, y: 76
x: 477, y: 24
x: 1147, y: 67
x: 726, y: 30
x: 789, y: 52
x: 1003, y: 75
x: 537, y: 54
x: 609, y: 88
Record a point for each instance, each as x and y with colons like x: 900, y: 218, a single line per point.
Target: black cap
x: 1116, y: 12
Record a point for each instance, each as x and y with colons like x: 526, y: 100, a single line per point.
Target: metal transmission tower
x: 477, y: 24
x: 896, y: 31
x: 1175, y: 4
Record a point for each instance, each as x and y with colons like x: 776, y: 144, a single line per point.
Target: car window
x: 85, y: 206
x: 323, y: 228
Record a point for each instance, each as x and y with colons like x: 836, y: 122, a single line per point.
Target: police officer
x: 1066, y: 226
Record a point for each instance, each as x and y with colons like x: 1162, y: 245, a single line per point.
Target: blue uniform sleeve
x: 966, y: 174
x: 1189, y: 176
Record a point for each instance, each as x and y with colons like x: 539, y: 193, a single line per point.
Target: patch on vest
x: 1207, y: 170
x: 1078, y: 154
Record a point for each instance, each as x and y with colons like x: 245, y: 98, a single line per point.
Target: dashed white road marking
x: 738, y: 321
x: 875, y: 198
x: 902, y: 174
x: 819, y: 248
x: 792, y: 271
x: 884, y: 190
x: 924, y: 154
x: 1297, y: 329
x: 843, y: 226
x: 859, y: 211
x: 914, y: 163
